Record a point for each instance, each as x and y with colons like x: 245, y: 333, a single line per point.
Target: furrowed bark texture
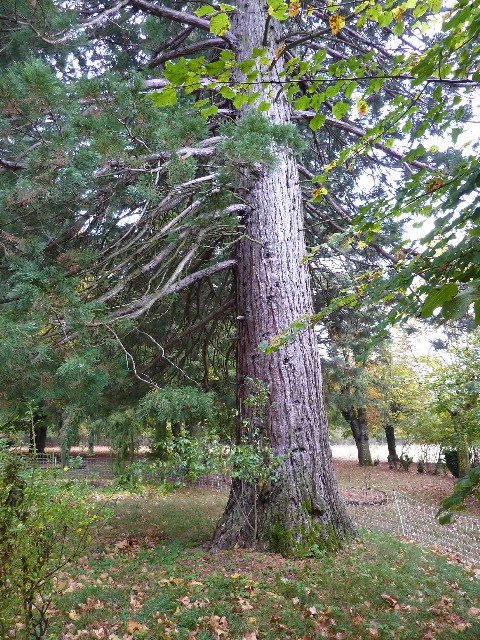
x: 303, y: 506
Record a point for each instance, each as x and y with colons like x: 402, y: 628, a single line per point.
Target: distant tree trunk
x: 302, y: 506
x: 65, y: 442
x: 91, y: 443
x: 357, y: 419
x: 393, y: 458
x: 463, y: 455
x: 38, y: 435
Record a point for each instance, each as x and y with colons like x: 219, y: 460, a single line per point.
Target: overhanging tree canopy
x: 120, y: 217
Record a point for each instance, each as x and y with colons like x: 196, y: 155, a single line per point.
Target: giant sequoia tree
x: 134, y: 222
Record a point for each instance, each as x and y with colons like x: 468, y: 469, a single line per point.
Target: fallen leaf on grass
x: 217, y: 625
x: 136, y: 628
x: 357, y: 619
x: 73, y: 615
x: 474, y: 612
x: 91, y: 604
x: 391, y: 601
x: 74, y: 586
x: 128, y: 544
x: 136, y: 601
x: 243, y: 604
x: 250, y: 636
x: 195, y: 583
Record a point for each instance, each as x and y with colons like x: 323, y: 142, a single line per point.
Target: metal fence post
x: 402, y: 525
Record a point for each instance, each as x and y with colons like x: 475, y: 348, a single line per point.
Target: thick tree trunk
x: 393, y: 458
x: 357, y: 419
x: 302, y: 506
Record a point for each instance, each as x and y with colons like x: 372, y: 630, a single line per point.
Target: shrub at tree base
x: 44, y: 524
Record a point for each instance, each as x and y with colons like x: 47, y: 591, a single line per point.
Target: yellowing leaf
x: 362, y: 108
x: 235, y: 576
x: 278, y: 52
x: 336, y: 23
x: 73, y: 615
x: 397, y: 13
x: 294, y: 8
x: 316, y: 193
x: 433, y: 185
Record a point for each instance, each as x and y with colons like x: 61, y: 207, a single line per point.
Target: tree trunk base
x: 279, y: 519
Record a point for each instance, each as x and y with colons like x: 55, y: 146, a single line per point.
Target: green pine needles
x: 254, y: 140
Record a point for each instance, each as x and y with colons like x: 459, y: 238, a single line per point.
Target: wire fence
x: 78, y: 467
x: 399, y: 514
x: 389, y: 511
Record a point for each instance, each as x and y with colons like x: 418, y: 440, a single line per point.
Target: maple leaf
x: 336, y: 23
x: 243, y: 604
x: 186, y: 602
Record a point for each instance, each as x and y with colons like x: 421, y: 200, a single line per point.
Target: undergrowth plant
x: 45, y: 523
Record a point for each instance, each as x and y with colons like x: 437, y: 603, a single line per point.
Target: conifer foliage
x: 151, y: 184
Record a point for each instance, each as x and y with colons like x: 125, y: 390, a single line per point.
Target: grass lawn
x: 149, y: 575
